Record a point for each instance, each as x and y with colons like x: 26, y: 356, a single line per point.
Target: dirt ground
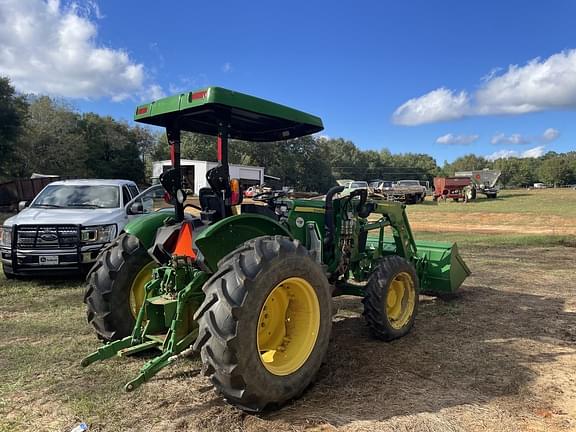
x: 494, y: 223
x: 500, y: 356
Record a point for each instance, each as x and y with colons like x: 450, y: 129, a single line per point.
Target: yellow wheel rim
x: 400, y: 300
x: 137, y: 290
x: 288, y: 326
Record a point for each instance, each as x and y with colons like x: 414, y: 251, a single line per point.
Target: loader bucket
x: 442, y: 269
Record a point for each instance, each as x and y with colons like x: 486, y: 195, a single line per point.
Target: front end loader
x: 249, y: 286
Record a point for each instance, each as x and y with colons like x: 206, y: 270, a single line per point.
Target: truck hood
x: 42, y: 216
x: 414, y: 188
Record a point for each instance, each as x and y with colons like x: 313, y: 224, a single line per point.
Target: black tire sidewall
x: 377, y: 288
x: 109, y: 285
x: 275, y: 272
x: 228, y: 322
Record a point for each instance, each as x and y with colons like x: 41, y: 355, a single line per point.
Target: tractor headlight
x: 98, y: 234
x: 5, y: 236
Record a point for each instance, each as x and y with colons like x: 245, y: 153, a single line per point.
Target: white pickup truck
x: 63, y: 229
x: 406, y: 191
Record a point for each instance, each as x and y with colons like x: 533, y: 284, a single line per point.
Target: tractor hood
x: 42, y: 216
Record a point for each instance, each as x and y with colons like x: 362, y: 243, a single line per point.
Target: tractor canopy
x: 248, y: 118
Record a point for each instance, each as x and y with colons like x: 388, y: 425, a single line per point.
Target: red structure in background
x: 450, y: 187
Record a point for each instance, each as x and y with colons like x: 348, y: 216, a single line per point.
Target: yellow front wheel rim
x: 288, y: 326
x: 400, y: 300
x: 137, y: 289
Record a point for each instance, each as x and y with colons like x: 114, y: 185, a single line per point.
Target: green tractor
x: 249, y: 286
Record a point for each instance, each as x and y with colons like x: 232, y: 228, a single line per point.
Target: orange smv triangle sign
x: 184, y: 243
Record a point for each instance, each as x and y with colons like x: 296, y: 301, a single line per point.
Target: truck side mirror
x: 135, y: 208
x: 22, y: 205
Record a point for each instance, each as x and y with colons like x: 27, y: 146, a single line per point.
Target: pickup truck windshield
x: 68, y: 196
x: 409, y: 183
x: 358, y: 185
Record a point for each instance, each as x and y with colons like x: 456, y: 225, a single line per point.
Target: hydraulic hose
x: 329, y: 218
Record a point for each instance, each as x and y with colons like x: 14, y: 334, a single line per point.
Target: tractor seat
x: 210, y: 205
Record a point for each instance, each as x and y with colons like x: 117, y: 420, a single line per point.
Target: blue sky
x: 410, y: 76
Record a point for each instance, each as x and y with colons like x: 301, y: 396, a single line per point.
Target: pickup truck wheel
x: 115, y: 289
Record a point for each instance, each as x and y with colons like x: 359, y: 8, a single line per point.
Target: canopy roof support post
x: 223, y: 147
x: 223, y: 167
x: 173, y: 135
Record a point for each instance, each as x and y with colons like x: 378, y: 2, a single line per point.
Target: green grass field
x: 516, y: 217
x: 560, y: 202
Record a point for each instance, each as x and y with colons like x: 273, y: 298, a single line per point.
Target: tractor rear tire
x: 391, y: 298
x: 265, y: 323
x: 111, y: 305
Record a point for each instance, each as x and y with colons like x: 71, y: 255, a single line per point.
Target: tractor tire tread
x: 374, y: 299
x: 107, y: 296
x: 222, y: 352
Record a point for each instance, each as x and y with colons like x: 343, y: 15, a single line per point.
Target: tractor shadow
x: 490, y: 342
x: 485, y: 344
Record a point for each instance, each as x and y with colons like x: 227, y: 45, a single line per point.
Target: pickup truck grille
x: 47, y: 236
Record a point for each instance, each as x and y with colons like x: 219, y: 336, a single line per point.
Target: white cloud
x: 539, y: 85
x: 439, y: 105
x: 505, y: 154
x: 188, y: 83
x: 49, y: 48
x: 547, y: 136
x: 550, y: 135
x: 154, y: 92
x: 452, y: 139
x: 516, y: 139
x: 533, y: 152
x: 227, y: 67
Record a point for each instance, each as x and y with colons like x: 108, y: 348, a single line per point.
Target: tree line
x: 39, y: 134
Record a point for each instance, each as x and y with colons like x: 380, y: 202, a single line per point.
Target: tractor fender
x: 223, y: 237
x: 145, y: 227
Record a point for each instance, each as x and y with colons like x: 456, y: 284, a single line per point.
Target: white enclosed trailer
x: 194, y: 172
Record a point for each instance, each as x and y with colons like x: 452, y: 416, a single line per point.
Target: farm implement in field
x: 249, y: 286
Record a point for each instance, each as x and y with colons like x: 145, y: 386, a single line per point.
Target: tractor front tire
x: 391, y: 298
x: 116, y: 287
x: 265, y: 324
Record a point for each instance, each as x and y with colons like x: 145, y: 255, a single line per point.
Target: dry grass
x: 501, y: 356
x: 520, y: 212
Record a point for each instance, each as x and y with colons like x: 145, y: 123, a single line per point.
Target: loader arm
x: 401, y: 231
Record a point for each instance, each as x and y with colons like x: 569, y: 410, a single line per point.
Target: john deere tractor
x: 249, y: 286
